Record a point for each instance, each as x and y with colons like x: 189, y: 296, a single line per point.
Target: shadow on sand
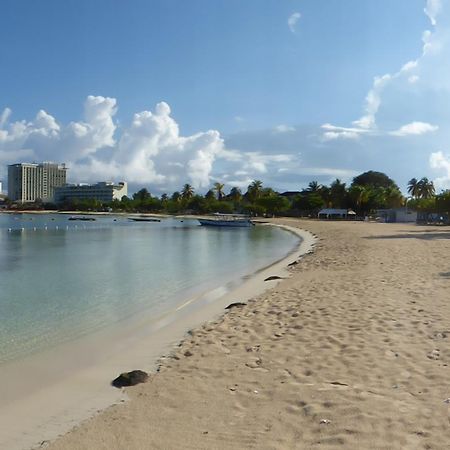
x: 415, y: 234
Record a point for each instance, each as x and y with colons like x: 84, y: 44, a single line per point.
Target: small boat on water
x: 144, y: 219
x: 227, y: 220
x: 85, y: 219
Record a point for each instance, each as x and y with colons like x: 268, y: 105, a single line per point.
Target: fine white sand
x: 46, y: 395
x: 351, y: 352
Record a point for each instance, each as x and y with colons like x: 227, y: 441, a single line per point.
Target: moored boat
x: 227, y: 220
x: 143, y: 219
x: 85, y: 219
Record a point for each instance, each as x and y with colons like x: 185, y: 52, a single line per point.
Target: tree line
x: 368, y: 192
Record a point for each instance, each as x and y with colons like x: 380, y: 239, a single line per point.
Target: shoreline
x: 82, y: 392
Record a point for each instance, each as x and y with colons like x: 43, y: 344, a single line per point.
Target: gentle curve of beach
x: 351, y: 351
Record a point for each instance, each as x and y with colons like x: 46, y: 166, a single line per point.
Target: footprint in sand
x: 434, y: 354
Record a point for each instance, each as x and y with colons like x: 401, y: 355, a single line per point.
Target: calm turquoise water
x: 60, y: 279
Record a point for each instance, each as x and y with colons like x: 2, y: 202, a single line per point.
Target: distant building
x: 290, y: 194
x: 28, y: 182
x: 335, y: 213
x: 104, y: 192
x: 397, y: 215
x: 2, y: 197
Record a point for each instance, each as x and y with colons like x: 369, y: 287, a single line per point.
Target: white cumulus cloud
x: 440, y: 161
x: 148, y: 151
x: 335, y: 132
x: 373, y: 102
x: 415, y: 128
x: 292, y: 21
x: 432, y: 10
x: 4, y: 116
x: 433, y: 42
x: 283, y: 129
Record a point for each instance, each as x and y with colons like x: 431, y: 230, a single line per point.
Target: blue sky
x: 282, y: 91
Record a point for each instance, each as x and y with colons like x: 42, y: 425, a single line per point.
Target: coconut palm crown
x: 187, y: 192
x: 218, y: 188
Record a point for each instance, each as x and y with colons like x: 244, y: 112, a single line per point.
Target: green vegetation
x: 368, y: 192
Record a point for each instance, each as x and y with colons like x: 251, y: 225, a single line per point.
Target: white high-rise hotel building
x: 29, y: 182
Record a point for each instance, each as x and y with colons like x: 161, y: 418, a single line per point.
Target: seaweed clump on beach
x: 235, y: 305
x: 273, y: 277
x: 130, y: 378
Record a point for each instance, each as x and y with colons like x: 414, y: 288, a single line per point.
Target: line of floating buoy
x: 56, y: 228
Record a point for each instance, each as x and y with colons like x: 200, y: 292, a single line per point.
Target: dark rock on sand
x: 274, y: 277
x: 130, y: 378
x: 293, y: 263
x: 235, y: 305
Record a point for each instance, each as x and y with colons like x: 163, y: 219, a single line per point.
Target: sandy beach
x: 351, y: 351
x: 47, y: 393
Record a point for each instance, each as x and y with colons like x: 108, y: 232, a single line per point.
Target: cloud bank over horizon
x: 149, y: 151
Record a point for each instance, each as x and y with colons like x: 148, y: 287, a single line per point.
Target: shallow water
x: 60, y: 279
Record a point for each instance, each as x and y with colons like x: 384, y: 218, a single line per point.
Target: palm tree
x: 426, y: 188
x: 413, y: 187
x: 314, y: 186
x: 210, y: 195
x: 187, y: 192
x: 235, y: 194
x: 338, y: 193
x: 218, y: 187
x: 164, y: 198
x: 360, y: 195
x: 176, y: 196
x: 325, y: 193
x: 141, y: 195
x: 392, y: 197
x: 254, y: 190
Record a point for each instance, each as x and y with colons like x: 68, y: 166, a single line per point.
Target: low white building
x: 336, y: 213
x: 404, y: 215
x: 104, y: 192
